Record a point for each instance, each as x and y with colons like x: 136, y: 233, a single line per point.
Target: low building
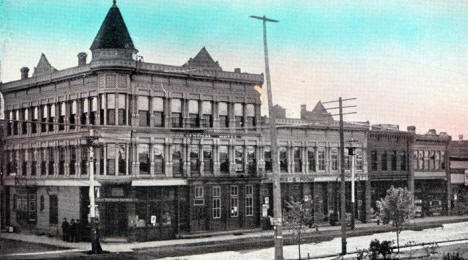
x: 458, y: 154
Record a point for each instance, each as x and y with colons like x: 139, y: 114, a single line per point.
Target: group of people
x: 73, y: 231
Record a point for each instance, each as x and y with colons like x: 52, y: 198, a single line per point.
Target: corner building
x: 176, y: 146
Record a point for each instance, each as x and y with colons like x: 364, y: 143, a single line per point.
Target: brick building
x: 177, y: 145
x: 458, y: 154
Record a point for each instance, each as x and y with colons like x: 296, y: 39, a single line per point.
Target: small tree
x: 396, y: 209
x: 296, y: 217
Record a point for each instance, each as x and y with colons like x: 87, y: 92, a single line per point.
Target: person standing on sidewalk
x: 73, y: 230
x: 78, y: 231
x: 65, y: 229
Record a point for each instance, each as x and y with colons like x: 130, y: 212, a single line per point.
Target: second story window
x: 334, y: 159
x: 283, y: 156
x: 72, y: 163
x: 393, y: 159
x: 122, y: 159
x: 143, y: 158
x: 207, y: 114
x: 158, y: 159
x: 374, y: 160
x: 34, y: 116
x: 239, y: 114
x: 73, y: 111
x: 25, y: 118
x: 51, y: 155
x: 24, y: 159
x: 93, y: 109
x: 110, y: 160
x: 15, y: 121
x: 431, y: 160
x: 239, y: 158
x: 158, y: 111
x: 177, y: 160
x: 321, y: 160
x: 297, y: 159
x: 437, y: 160
x: 251, y: 160
x: 122, y: 111
x: 223, y: 115
x: 223, y: 159
x: 250, y: 109
x: 208, y: 159
x: 61, y: 161
x: 111, y: 109
x: 403, y: 160
x: 426, y: 160
x: 43, y: 155
x: 143, y: 110
x: 359, y: 160
x: 268, y: 161
x: 44, y: 114
x: 84, y: 107
x: 9, y: 117
x: 442, y: 160
x: 311, y: 159
x: 383, y: 161
x: 194, y: 119
x: 194, y: 160
x: 61, y: 119
x: 84, y: 160
x: 51, y: 109
x: 176, y: 112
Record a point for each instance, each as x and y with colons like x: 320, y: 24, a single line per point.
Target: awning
x: 160, y: 182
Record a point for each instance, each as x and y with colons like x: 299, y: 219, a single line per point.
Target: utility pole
x: 352, y: 153
x: 342, y: 170
x: 277, y: 210
x: 95, y: 244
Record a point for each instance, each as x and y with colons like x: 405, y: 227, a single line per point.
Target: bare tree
x: 297, y: 217
x: 396, y: 209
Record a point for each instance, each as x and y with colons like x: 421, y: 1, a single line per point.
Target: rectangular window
x: 111, y: 109
x: 251, y: 160
x: 177, y: 160
x: 122, y: 111
x: 34, y: 116
x: 44, y: 117
x: 426, y: 160
x: 72, y: 163
x: 43, y: 154
x: 110, y: 160
x: 194, y: 119
x: 51, y: 152
x: 53, y: 210
x: 143, y: 110
x: 24, y: 158
x: 33, y: 156
x: 431, y: 160
x: 72, y: 117
x: 359, y: 160
x: 199, y: 196
x: 420, y: 160
x: 84, y: 160
x: 249, y: 200
x: 347, y: 160
x: 393, y: 158
x: 158, y: 111
x: 297, y: 159
x: 223, y: 114
x: 143, y: 158
x: 84, y: 110
x: 321, y: 160
x: 234, y: 201
x: 24, y: 124
x: 383, y: 161
x: 216, y: 202
x: 176, y: 110
x: 334, y: 159
x: 403, y: 160
x: 207, y: 114
x: 61, y: 161
x: 311, y: 159
x: 93, y: 113
x: 239, y: 158
x: 158, y: 159
x: 250, y: 108
x: 442, y: 160
x: 268, y: 161
x: 437, y: 160
x: 61, y: 119
x: 223, y: 159
x: 207, y: 160
x: 122, y: 159
x: 51, y: 109
x: 102, y: 108
x: 194, y: 160
x: 9, y: 116
x: 374, y: 160
x: 239, y: 114
x: 283, y: 155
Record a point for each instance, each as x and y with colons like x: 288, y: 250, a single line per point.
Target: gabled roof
x: 113, y: 33
x: 319, y: 113
x: 202, y: 60
x: 43, y: 66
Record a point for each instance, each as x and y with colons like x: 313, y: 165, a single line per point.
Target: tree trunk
x: 398, y: 240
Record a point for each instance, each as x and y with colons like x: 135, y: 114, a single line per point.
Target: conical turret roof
x: 113, y: 33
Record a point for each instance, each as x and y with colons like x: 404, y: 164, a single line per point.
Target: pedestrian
x: 65, y: 229
x: 72, y: 230
x: 79, y: 228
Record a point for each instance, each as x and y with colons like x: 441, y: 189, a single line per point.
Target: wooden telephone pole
x: 277, y: 210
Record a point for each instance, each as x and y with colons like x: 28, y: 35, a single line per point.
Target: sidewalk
x: 268, y: 234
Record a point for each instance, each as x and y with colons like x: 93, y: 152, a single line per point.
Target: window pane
x: 121, y: 101
x: 143, y: 158
x: 122, y: 155
x: 158, y: 158
x: 223, y: 159
x: 193, y: 106
x: 207, y: 108
x: 158, y: 104
x: 250, y: 110
x: 222, y: 109
x: 110, y: 159
x: 110, y: 101
x: 176, y: 106
x: 238, y: 109
x: 239, y: 158
x: 143, y: 103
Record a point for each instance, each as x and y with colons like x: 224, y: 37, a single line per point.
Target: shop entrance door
x: 116, y: 219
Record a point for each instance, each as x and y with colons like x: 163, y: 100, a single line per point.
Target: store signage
x: 153, y: 220
x: 265, y: 210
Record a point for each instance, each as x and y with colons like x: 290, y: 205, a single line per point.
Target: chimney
x: 237, y: 70
x: 460, y: 137
x: 82, y: 58
x: 24, y: 72
x: 411, y: 129
x: 432, y: 132
x: 303, y: 107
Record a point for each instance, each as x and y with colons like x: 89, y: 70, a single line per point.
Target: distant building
x: 318, y: 114
x: 279, y: 112
x: 458, y: 154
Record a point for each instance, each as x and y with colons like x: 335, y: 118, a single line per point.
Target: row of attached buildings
x: 184, y: 149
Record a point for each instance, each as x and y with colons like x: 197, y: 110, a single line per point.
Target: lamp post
x: 352, y: 153
x: 95, y: 244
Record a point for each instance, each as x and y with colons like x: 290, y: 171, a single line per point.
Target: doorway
x: 116, y: 219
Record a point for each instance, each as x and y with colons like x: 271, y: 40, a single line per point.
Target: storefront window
x: 177, y: 162
x: 268, y: 161
x: 158, y: 159
x: 207, y: 159
x: 283, y: 155
x: 158, y: 111
x: 223, y: 159
x: 143, y: 158
x: 223, y: 114
x: 311, y: 159
x: 249, y: 200
x: 239, y: 159
x: 194, y: 160
x: 216, y: 207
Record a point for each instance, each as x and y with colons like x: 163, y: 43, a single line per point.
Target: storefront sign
x: 265, y: 210
x: 153, y: 220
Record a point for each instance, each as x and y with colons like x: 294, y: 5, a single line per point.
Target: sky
x: 406, y: 62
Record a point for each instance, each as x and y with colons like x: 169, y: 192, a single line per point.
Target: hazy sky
x: 405, y: 61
